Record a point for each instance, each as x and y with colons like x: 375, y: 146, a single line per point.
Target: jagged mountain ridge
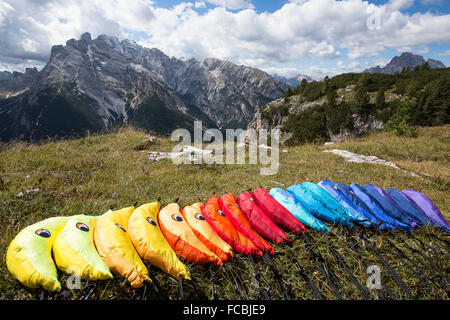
x: 223, y: 90
x: 101, y: 82
x: 405, y: 60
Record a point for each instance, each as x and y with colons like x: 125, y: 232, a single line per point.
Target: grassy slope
x: 96, y: 172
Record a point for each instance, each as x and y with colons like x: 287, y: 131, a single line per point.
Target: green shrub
x: 401, y: 122
x: 307, y: 126
x: 401, y: 126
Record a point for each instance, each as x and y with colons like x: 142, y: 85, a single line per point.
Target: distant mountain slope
x: 16, y: 81
x: 293, y: 81
x: 5, y: 75
x: 405, y: 60
x: 92, y: 84
x: 224, y: 91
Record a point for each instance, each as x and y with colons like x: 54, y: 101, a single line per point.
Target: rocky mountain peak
x: 86, y: 37
x: 111, y: 41
x: 405, y: 60
x: 436, y: 64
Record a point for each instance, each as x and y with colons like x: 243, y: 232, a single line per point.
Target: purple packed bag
x: 427, y: 206
x: 388, y: 197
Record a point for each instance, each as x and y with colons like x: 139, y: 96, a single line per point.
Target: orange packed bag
x: 182, y: 239
x: 229, y: 206
x: 225, y: 229
x: 193, y: 216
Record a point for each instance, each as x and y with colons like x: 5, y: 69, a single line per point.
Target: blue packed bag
x: 329, y: 186
x: 375, y: 207
x: 316, y: 206
x: 414, y: 213
x: 329, y: 200
x: 363, y: 208
x: 390, y: 209
x: 297, y: 209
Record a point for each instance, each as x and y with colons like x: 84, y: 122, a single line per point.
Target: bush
x: 307, y: 126
x: 401, y: 123
x: 401, y: 126
x: 288, y: 93
x: 313, y: 90
x: 339, y: 117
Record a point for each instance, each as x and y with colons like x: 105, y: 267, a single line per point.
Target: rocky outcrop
x: 359, y: 158
x: 274, y: 114
x: 361, y: 126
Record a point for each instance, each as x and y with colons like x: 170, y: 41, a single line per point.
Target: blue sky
x: 313, y: 37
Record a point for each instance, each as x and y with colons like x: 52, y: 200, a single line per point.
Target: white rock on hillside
x: 358, y: 158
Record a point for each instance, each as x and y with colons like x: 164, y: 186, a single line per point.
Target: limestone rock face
x: 275, y: 113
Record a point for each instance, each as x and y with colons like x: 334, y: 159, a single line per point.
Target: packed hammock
x: 118, y: 242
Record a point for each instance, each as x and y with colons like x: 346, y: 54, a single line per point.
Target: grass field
x: 97, y: 172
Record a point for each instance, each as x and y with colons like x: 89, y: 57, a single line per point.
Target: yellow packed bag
x: 150, y: 242
x: 115, y: 248
x: 29, y: 256
x: 74, y: 250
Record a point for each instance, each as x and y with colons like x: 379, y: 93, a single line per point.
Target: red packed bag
x: 225, y: 229
x: 260, y: 222
x: 229, y: 206
x: 276, y: 212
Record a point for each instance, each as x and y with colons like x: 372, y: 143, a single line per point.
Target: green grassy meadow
x: 98, y: 172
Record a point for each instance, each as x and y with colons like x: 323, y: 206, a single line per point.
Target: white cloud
x: 5, y: 10
x: 199, y: 4
x: 445, y: 53
x: 416, y: 50
x: 326, y: 30
x: 130, y: 14
x: 287, y: 72
x: 232, y: 4
x: 400, y: 4
x: 298, y: 1
x: 30, y: 28
x: 379, y: 62
x: 318, y: 72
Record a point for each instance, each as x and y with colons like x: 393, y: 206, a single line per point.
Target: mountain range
x: 405, y: 60
x: 397, y: 64
x: 293, y: 81
x: 93, y: 84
